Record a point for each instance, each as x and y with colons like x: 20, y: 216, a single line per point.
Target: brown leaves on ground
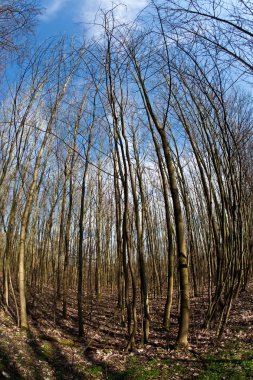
x: 53, y: 350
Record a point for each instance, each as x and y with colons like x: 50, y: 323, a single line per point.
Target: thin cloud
x: 52, y: 8
x: 124, y: 11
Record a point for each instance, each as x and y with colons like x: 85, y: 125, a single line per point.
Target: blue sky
x: 73, y: 17
x: 59, y: 17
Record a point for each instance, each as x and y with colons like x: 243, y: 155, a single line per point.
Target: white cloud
x: 52, y: 7
x: 124, y: 10
x: 87, y: 11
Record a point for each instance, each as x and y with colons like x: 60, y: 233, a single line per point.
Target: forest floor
x: 52, y: 350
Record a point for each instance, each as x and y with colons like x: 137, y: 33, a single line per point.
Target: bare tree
x: 17, y: 21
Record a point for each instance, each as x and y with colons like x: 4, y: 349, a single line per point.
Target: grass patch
x: 65, y: 342
x: 95, y: 371
x: 150, y: 370
x: 234, y: 365
x: 46, y: 351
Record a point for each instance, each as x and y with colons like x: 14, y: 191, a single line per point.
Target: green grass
x: 94, y: 371
x: 46, y: 351
x: 150, y: 370
x: 234, y: 364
